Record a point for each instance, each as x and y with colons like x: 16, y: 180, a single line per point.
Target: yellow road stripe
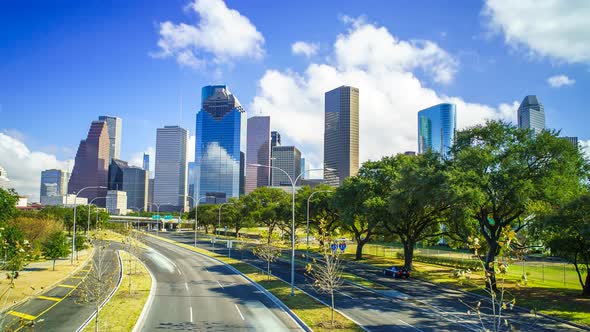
x: 21, y: 315
x: 41, y: 297
x: 76, y: 277
x: 66, y: 286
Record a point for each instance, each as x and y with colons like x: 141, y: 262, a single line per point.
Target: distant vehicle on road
x: 397, y: 272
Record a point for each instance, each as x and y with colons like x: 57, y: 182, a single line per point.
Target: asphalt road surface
x: 426, y: 307
x: 197, y: 293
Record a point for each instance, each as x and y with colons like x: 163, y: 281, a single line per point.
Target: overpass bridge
x: 150, y: 223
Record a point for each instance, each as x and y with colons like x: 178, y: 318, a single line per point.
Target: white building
x: 171, y: 168
x: 23, y: 201
x: 63, y: 200
x: 117, y: 202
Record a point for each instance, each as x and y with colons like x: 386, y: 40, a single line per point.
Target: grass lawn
x: 124, y: 308
x: 315, y: 314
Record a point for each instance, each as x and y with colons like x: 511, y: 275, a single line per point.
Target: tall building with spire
x: 341, y: 134
x: 220, y: 144
x: 531, y: 114
x: 258, y: 152
x: 115, y: 128
x: 92, y: 163
x: 436, y: 128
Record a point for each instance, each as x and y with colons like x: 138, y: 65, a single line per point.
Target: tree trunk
x: 489, y: 266
x: 586, y: 290
x: 408, y: 254
x: 268, y: 269
x: 332, y: 295
x: 54, y: 265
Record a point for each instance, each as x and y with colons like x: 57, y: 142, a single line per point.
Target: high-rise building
x: 287, y: 158
x: 146, y: 162
x: 4, y: 181
x: 219, y: 144
x: 275, y: 139
x: 191, y: 182
x: 54, y: 182
x: 341, y: 134
x: 150, y: 199
x: 135, y: 184
x: 116, y: 202
x: 437, y: 126
x: 115, y: 128
x: 258, y: 152
x: 572, y: 139
x: 531, y: 114
x: 91, y: 164
x: 171, y: 172
x: 116, y: 168
x: 302, y: 168
x: 68, y: 200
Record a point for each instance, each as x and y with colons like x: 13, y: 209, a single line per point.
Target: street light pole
x: 196, y: 202
x: 75, y: 210
x: 219, y: 220
x: 307, y: 236
x: 88, y: 225
x: 293, y: 183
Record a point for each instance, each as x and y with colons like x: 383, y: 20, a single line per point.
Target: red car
x: 397, y: 272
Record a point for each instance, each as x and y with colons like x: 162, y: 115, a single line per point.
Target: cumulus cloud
x: 24, y: 166
x: 585, y: 145
x: 549, y: 28
x: 222, y: 34
x: 370, y: 58
x: 560, y: 80
x: 304, y: 48
x: 137, y: 159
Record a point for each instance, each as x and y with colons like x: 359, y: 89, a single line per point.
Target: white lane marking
x: 186, y: 286
x: 179, y: 272
x: 191, y: 311
x: 220, y: 284
x: 410, y: 325
x: 239, y: 312
x: 350, y: 297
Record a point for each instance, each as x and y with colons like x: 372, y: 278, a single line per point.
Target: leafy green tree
x: 270, y: 207
x: 321, y: 209
x: 567, y: 234
x: 506, y: 174
x: 56, y: 246
x: 15, y: 249
x: 8, y: 199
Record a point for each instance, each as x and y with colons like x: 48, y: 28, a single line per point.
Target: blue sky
x: 63, y: 63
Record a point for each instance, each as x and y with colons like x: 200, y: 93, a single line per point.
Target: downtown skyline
x: 393, y: 88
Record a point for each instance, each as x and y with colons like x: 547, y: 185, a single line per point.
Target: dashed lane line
x: 49, y: 298
x: 21, y: 315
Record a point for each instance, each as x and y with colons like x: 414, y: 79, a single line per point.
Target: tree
x: 268, y: 206
x: 506, y: 173
x: 56, y: 246
x: 37, y: 229
x: 267, y: 252
x: 567, y: 234
x: 420, y: 200
x: 321, y: 208
x: 8, y: 199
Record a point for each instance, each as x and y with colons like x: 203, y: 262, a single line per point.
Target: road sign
x: 155, y: 217
x: 229, y: 244
x: 213, y: 240
x: 334, y: 247
x: 342, y: 246
x: 168, y: 217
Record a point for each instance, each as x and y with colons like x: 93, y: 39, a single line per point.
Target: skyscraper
x: 303, y: 168
x: 91, y: 163
x: 219, y: 144
x: 341, y: 134
x: 146, y: 162
x: 275, y: 139
x: 54, y: 182
x: 171, y: 170
x: 531, y: 114
x: 287, y: 158
x: 436, y: 128
x: 116, y: 168
x: 135, y: 184
x: 572, y: 139
x: 115, y: 128
x: 258, y: 152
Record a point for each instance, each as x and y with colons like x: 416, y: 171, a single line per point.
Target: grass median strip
x: 315, y: 314
x: 124, y: 308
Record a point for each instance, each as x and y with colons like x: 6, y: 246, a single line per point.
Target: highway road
x: 428, y: 307
x: 194, y: 292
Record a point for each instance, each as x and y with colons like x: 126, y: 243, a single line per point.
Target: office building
x: 531, y: 114
x: 116, y: 169
x: 64, y: 200
x: 572, y: 139
x: 171, y: 170
x: 150, y: 199
x: 437, y: 126
x: 303, y: 168
x: 135, y: 184
x: 191, y: 183
x: 116, y: 202
x: 287, y: 158
x: 115, y: 129
x: 258, y: 152
x: 54, y: 182
x: 219, y: 145
x: 275, y: 139
x: 146, y: 162
x: 341, y: 134
x: 91, y: 163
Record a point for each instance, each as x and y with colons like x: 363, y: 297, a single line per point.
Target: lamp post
x: 219, y: 220
x: 75, y: 209
x: 138, y: 210
x: 293, y: 183
x: 196, y: 203
x: 307, y: 236
x: 158, y: 222
x: 88, y: 226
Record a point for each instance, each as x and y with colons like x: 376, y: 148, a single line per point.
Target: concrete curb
x: 148, y: 304
x: 108, y: 297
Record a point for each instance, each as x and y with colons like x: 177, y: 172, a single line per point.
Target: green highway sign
x: 168, y: 217
x: 155, y: 217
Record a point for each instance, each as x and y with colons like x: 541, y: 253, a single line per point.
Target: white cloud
x: 137, y: 159
x: 221, y: 35
x: 585, y: 145
x: 24, y: 166
x: 381, y: 66
x: 551, y: 28
x: 304, y: 48
x: 560, y: 80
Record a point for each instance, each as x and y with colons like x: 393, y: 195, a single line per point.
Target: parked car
x: 397, y: 272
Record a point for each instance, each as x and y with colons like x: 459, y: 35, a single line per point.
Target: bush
x: 466, y: 264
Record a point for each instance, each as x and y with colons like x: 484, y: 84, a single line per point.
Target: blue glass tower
x: 436, y: 128
x: 219, y: 145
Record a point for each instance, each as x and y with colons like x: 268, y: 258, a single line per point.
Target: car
x: 397, y: 272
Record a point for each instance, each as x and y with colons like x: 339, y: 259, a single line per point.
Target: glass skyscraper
x: 258, y: 152
x: 115, y: 128
x: 219, y: 145
x: 436, y: 128
x: 287, y: 158
x: 171, y: 171
x: 54, y: 182
x: 531, y: 114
